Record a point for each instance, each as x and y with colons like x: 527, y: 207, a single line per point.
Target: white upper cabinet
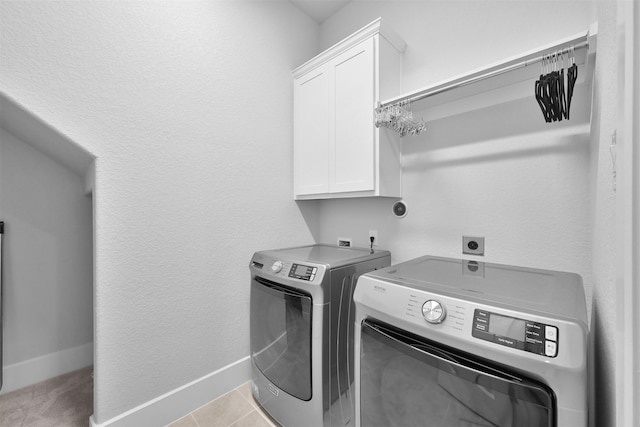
x: 338, y: 151
x: 311, y: 133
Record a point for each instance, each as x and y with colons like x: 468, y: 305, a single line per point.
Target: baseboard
x: 42, y: 368
x: 177, y: 403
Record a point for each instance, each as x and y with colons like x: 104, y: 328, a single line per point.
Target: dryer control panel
x: 303, y: 272
x: 520, y: 334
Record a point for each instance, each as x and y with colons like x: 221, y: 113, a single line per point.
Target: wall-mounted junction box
x: 345, y: 242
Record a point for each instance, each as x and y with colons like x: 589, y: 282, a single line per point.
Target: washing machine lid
x: 552, y: 292
x: 331, y: 256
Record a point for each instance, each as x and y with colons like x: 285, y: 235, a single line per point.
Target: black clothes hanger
x: 552, y: 95
x: 562, y: 99
x: 551, y: 92
x: 572, y: 77
x: 540, y: 91
x: 543, y: 91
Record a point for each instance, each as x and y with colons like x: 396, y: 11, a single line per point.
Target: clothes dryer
x: 449, y: 342
x: 302, y: 319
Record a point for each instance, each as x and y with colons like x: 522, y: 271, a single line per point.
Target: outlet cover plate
x: 345, y: 242
x: 472, y: 245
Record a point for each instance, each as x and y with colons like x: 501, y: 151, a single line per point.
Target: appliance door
x: 281, y: 336
x: 406, y: 380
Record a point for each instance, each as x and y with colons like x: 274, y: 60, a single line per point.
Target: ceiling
x: 319, y: 10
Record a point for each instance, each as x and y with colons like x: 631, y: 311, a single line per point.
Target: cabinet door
x: 311, y: 133
x: 352, y: 140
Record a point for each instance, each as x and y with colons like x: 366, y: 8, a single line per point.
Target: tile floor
x: 67, y: 401
x: 234, y: 409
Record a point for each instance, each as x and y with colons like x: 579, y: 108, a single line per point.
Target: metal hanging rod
x: 425, y: 93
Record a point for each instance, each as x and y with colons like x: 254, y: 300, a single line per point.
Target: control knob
x: 276, y: 266
x: 433, y: 311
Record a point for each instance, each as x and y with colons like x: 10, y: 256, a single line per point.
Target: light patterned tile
x: 223, y: 411
x: 253, y: 419
x: 245, y: 389
x: 187, y: 421
x: 270, y: 421
x: 265, y: 415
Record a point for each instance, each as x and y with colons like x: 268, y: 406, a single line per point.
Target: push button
x: 481, y: 320
x: 551, y: 333
x: 480, y: 327
x: 506, y: 341
x: 533, y: 327
x: 551, y: 349
x: 532, y: 334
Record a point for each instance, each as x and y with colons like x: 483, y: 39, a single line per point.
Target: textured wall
x: 187, y: 106
x: 48, y: 284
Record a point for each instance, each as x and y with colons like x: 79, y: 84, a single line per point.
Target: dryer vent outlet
x: 472, y: 245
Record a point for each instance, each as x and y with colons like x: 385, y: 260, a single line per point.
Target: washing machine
x: 302, y: 318
x: 450, y: 342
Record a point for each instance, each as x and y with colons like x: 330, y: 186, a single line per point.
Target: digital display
x: 526, y: 335
x: 507, y: 327
x: 301, y: 270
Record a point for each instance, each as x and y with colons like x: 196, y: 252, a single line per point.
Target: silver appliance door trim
x: 462, y: 365
x: 277, y: 290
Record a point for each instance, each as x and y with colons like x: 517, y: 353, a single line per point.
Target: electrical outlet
x: 374, y: 234
x: 473, y: 245
x: 345, y: 242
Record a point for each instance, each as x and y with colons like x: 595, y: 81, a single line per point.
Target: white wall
x: 605, y: 316
x: 48, y: 260
x: 187, y: 107
x: 500, y: 172
x: 540, y: 193
x: 628, y: 216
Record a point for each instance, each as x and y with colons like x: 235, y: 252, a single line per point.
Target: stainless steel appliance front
x: 446, y: 342
x: 302, y: 331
